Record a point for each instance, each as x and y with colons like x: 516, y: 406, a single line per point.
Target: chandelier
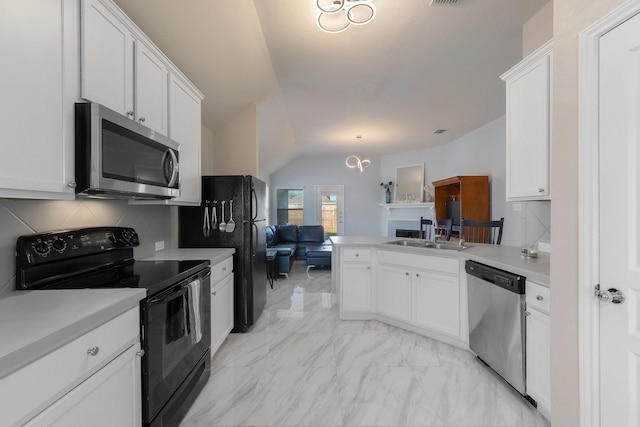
x: 337, y: 15
x: 354, y: 162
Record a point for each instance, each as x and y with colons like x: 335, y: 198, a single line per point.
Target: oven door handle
x: 170, y: 296
x: 175, y: 294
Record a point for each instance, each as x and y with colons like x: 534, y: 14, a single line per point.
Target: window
x: 290, y: 206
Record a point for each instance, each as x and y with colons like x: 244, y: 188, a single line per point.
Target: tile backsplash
x: 23, y: 217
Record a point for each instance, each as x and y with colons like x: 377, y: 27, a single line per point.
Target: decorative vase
x: 387, y: 196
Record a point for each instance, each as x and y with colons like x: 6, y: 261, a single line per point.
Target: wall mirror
x: 409, y: 183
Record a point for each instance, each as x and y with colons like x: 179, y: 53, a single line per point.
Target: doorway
x: 609, y: 177
x: 330, y: 209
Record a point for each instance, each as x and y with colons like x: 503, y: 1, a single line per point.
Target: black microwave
x: 116, y: 157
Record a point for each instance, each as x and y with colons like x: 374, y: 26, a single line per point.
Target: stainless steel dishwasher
x: 496, y: 321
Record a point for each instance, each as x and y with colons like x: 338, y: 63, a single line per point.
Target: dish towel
x: 194, y: 311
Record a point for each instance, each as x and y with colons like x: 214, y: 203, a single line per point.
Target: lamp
x: 355, y: 162
x: 337, y: 15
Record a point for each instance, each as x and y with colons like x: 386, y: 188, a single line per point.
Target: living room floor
x: 300, y: 365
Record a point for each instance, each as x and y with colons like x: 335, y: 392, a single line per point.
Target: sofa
x: 291, y: 242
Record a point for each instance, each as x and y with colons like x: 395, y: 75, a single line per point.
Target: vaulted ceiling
x: 414, y: 69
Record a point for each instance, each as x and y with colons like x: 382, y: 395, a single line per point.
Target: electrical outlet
x: 160, y: 245
x: 516, y: 207
x: 544, y: 247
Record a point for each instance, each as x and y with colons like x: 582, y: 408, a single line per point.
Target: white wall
x: 481, y: 152
x: 538, y: 30
x: 235, y: 144
x: 362, y: 191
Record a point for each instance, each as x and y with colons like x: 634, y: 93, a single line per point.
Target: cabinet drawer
x: 37, y: 385
x: 221, y: 270
x: 356, y: 255
x: 538, y: 297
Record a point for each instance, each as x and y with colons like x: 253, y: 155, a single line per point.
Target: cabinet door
x: 538, y: 359
x: 106, y: 58
x: 355, y: 287
x: 221, y: 312
x: 528, y: 131
x: 436, y: 301
x: 185, y: 128
x: 37, y: 146
x: 110, y: 397
x: 151, y: 76
x: 394, y: 292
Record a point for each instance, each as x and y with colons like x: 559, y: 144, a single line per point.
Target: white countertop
x: 215, y: 255
x: 34, y: 323
x: 503, y: 257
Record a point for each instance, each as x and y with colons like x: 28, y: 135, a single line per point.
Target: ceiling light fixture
x: 354, y: 162
x: 337, y: 15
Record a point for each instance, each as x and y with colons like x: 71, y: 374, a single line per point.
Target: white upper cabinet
x: 107, y: 56
x: 36, y: 113
x: 185, y: 128
x: 151, y: 77
x: 118, y: 70
x: 528, y: 116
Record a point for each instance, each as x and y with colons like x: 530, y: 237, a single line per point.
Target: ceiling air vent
x: 445, y: 2
x: 437, y: 131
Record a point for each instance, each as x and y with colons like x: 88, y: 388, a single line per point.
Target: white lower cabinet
x: 394, y: 292
x: 436, y: 301
x: 93, y: 380
x: 355, y: 280
x: 110, y: 397
x: 221, y: 302
x: 538, y: 335
x: 422, y: 292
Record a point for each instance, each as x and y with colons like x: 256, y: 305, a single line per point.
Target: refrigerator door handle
x: 254, y: 215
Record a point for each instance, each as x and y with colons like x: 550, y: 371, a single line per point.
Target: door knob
x: 611, y: 295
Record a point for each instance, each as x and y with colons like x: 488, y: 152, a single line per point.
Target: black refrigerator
x: 199, y: 227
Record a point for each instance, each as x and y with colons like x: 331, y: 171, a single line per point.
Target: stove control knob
x: 41, y: 248
x: 59, y: 245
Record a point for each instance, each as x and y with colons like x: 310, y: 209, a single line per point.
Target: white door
x: 330, y: 208
x: 619, y: 205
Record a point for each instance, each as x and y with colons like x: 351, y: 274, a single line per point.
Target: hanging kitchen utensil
x: 206, y: 224
x: 231, y: 225
x: 223, y: 225
x: 214, y: 215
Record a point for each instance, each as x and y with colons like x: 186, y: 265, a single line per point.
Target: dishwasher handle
x: 510, y: 281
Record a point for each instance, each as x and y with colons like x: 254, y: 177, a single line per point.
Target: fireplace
x: 402, y: 232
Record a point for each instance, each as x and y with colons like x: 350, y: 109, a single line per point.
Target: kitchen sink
x: 429, y: 244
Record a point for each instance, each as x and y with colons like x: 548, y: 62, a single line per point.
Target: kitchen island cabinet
x: 355, y: 275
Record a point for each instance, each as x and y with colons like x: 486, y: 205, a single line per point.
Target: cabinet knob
x: 540, y: 190
x: 72, y: 184
x: 357, y: 255
x: 539, y: 297
x: 417, y: 274
x: 526, y: 313
x: 140, y: 353
x: 141, y: 119
x: 93, y: 351
x: 215, y: 293
x: 368, y: 267
x: 406, y: 273
x: 224, y: 268
x: 130, y: 113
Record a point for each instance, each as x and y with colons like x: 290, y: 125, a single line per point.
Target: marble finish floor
x: 300, y: 365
